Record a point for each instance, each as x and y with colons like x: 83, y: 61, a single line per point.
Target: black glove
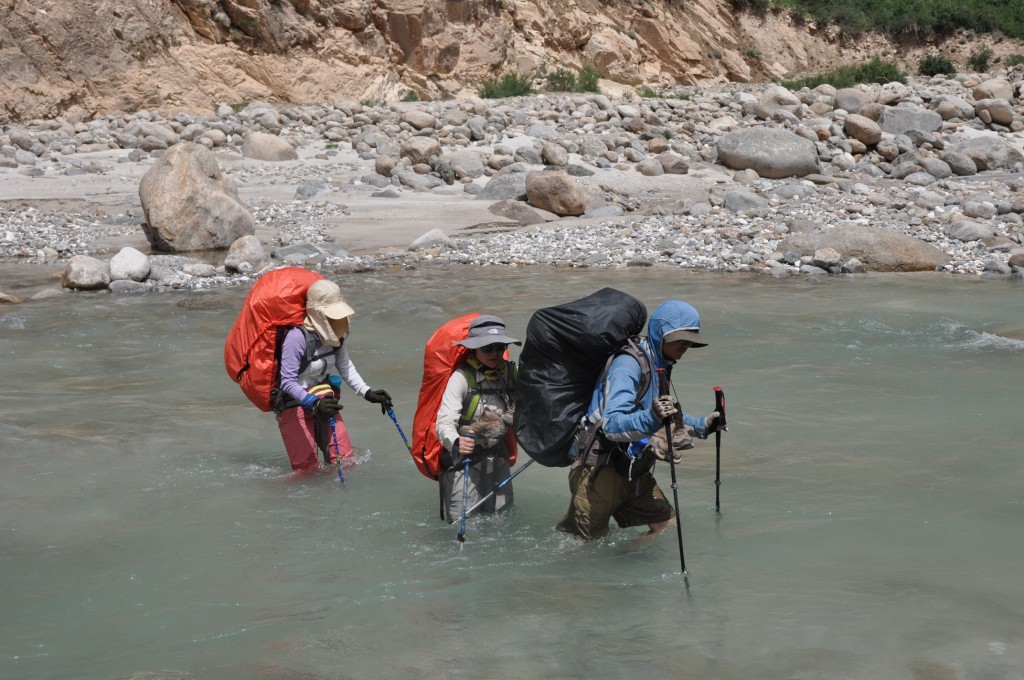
x: 327, y: 406
x: 713, y: 422
x: 379, y: 397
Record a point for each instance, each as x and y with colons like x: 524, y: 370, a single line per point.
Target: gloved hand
x: 681, y: 441
x: 327, y: 406
x: 379, y: 397
x: 663, y: 408
x: 713, y: 422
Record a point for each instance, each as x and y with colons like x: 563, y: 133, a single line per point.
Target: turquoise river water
x: 872, y: 521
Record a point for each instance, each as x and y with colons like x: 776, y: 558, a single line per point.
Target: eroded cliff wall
x: 95, y: 56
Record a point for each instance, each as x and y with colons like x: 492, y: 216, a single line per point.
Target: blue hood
x: 668, y: 317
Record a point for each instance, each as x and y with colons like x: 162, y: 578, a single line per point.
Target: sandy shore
x: 105, y: 209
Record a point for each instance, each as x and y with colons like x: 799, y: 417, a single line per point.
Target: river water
x: 872, y: 497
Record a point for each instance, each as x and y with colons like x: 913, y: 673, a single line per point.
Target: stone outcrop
x: 770, y: 152
x: 189, y: 205
x: 555, y: 192
x: 878, y: 249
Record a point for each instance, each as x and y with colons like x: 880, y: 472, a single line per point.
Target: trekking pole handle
x: 720, y: 405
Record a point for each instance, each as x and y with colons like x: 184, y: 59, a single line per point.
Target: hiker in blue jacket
x: 604, y: 479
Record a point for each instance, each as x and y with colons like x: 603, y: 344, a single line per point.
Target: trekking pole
x: 337, y: 451
x: 391, y: 412
x: 335, y: 382
x: 497, y: 488
x: 465, y: 498
x: 663, y: 391
x: 720, y: 407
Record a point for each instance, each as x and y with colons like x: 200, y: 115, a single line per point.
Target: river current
x: 872, y: 497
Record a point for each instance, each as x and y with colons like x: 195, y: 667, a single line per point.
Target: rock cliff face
x: 95, y: 56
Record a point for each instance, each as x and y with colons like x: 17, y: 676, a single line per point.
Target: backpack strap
x: 310, y: 355
x: 278, y: 397
x: 597, y: 450
x: 471, y: 404
x: 633, y: 349
x: 475, y: 391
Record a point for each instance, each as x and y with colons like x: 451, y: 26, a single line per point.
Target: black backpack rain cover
x: 566, y: 349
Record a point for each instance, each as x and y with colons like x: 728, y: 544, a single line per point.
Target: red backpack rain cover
x: 440, y: 357
x: 277, y: 299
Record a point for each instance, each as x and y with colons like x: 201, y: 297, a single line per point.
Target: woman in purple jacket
x: 308, y: 355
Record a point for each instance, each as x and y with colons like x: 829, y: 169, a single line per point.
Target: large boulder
x: 245, y: 255
x: 264, y: 147
x: 189, y: 205
x: 151, y: 135
x: 129, y: 264
x: 509, y: 183
x: 466, y: 163
x: 905, y: 116
x: 852, y: 99
x: 86, y: 273
x: 776, y: 98
x: 555, y: 192
x: 950, y: 106
x: 863, y: 129
x: 994, y: 88
x: 989, y: 152
x: 877, y: 249
x: 770, y: 152
x: 994, y: 110
x: 420, y: 149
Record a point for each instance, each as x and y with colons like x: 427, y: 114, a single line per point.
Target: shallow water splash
x: 871, y: 518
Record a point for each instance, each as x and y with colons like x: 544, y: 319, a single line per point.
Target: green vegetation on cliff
x: 922, y: 18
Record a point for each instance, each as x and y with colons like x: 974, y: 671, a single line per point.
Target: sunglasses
x: 496, y: 347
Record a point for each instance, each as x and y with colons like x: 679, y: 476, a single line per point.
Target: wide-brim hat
x: 691, y: 334
x: 325, y: 297
x: 325, y: 304
x: 487, y: 330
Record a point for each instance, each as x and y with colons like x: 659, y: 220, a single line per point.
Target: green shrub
x: 874, y: 71
x: 918, y: 18
x: 561, y: 80
x: 587, y: 80
x: 934, y: 64
x: 411, y: 96
x: 753, y: 53
x: 757, y: 7
x: 647, y: 93
x: 511, y: 84
x: 564, y: 80
x: 979, y: 59
x: 1013, y: 60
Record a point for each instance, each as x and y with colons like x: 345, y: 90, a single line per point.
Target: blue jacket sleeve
x: 623, y: 420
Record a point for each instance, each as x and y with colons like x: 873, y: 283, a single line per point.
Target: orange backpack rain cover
x: 440, y: 357
x: 277, y: 299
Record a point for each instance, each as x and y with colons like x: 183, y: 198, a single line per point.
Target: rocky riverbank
x: 917, y: 176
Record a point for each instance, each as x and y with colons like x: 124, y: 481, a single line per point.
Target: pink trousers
x: 299, y: 432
